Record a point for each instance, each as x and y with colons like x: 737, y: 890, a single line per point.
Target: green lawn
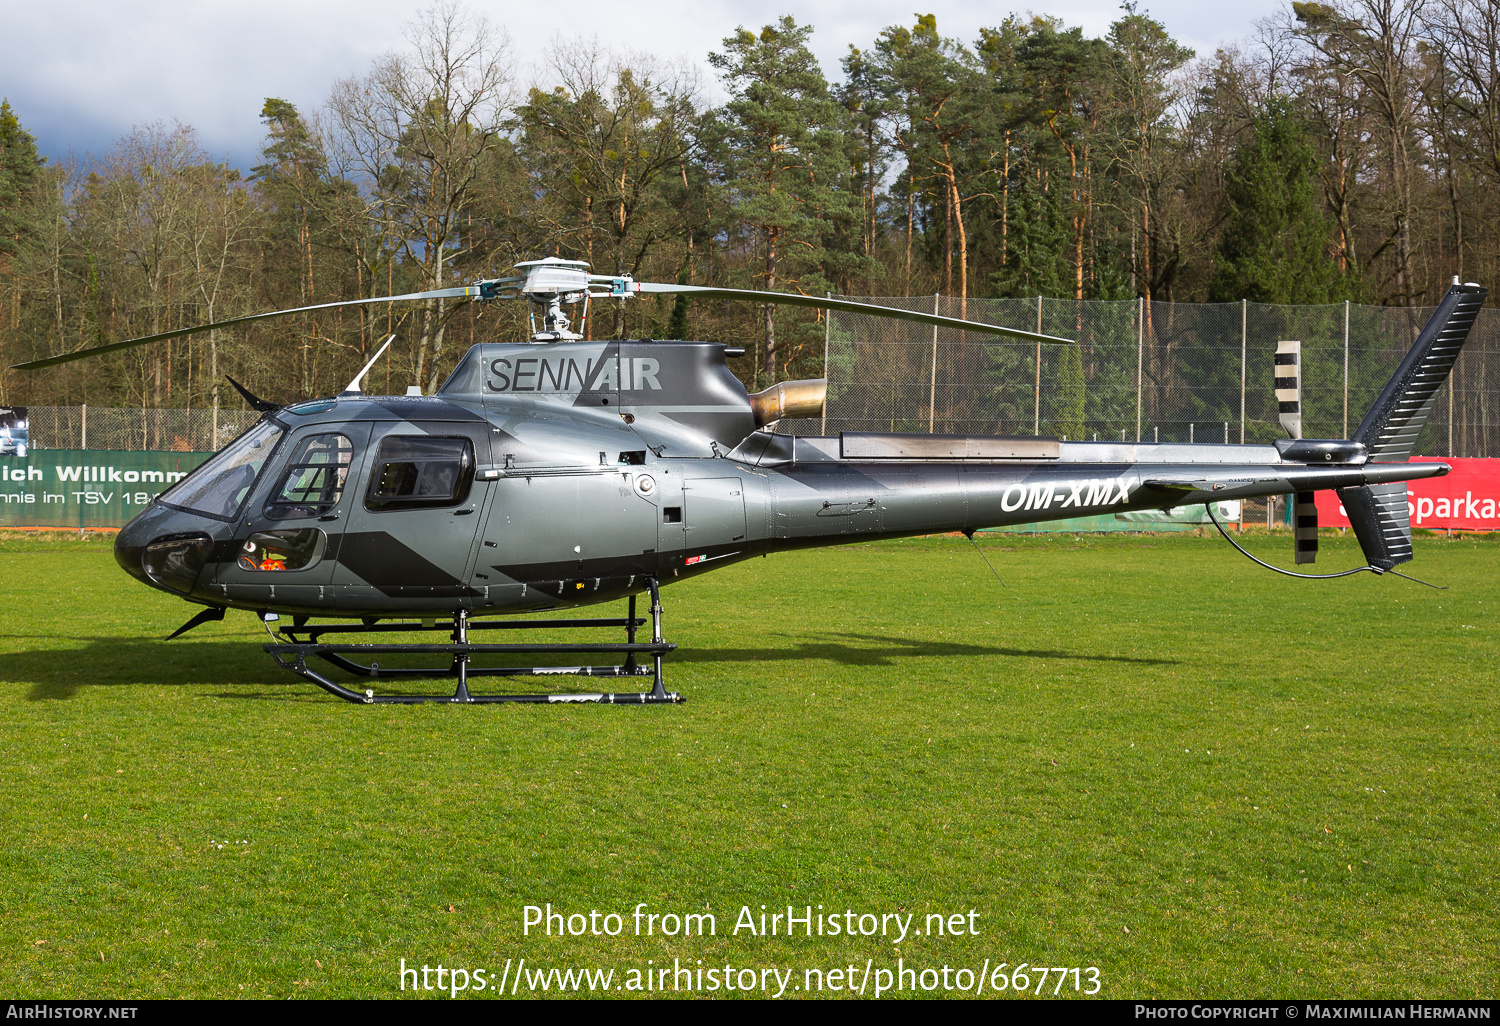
x: 1143, y: 755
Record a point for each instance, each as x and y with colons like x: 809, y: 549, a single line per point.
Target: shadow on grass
x: 882, y: 650
x: 112, y: 662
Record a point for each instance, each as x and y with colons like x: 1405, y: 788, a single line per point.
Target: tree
x: 784, y: 165
x: 604, y: 146
x: 25, y: 188
x: 1373, y: 42
x: 137, y: 208
x: 419, y: 131
x: 869, y: 149
x: 1331, y: 105
x: 1274, y: 247
x: 1142, y: 57
x: 297, y: 197
x: 1060, y: 72
x: 214, y: 242
x: 21, y: 168
x: 1466, y: 39
x: 1468, y: 32
x: 942, y: 122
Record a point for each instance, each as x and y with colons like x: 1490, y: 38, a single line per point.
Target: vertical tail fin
x: 1381, y: 522
x: 1389, y: 431
x: 1379, y: 513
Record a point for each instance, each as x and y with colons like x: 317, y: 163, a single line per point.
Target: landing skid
x: 304, y: 642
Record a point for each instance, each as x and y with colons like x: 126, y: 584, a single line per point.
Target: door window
x: 281, y: 550
x: 314, y: 479
x: 419, y: 471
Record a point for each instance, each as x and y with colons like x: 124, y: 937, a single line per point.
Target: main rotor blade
x: 793, y: 299
x: 111, y: 347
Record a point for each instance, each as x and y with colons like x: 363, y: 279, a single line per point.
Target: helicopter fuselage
x: 546, y: 476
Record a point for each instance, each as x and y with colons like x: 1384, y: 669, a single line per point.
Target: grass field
x: 1142, y: 755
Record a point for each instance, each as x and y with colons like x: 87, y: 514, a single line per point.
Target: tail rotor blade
x: 1305, y: 534
x: 1289, y: 386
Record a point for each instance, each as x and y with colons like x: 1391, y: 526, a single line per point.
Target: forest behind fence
x: 1152, y: 371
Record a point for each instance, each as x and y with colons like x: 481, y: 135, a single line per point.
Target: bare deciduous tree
x: 416, y: 133
x: 1468, y: 34
x: 1373, y: 43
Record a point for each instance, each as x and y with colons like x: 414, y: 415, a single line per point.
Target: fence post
x: 1243, y: 337
x: 827, y: 334
x: 1140, y: 350
x: 83, y: 443
x: 1346, y: 368
x: 1452, y: 380
x: 1036, y: 423
x: 932, y: 394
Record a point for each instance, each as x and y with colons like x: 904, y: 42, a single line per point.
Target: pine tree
x: 1275, y: 245
x: 785, y: 162
x: 944, y: 124
x: 1068, y: 405
x: 20, y: 169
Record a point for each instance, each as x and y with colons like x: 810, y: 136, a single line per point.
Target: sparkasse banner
x: 1466, y: 499
x: 86, y: 488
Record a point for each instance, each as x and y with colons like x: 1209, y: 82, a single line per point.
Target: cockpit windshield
x: 219, y: 487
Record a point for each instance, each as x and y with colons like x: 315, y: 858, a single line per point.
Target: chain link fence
x: 1149, y: 371
x: 134, y: 430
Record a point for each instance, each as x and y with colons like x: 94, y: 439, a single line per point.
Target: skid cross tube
x: 305, y: 641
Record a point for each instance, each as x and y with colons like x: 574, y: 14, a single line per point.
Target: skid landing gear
x: 305, y: 642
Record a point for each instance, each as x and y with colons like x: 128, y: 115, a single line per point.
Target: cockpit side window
x: 418, y: 471
x: 313, y: 481
x: 218, y: 488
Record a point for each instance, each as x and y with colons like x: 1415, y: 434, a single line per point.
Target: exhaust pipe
x: 789, y: 399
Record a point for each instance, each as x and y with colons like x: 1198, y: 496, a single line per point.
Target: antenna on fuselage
x: 353, y: 387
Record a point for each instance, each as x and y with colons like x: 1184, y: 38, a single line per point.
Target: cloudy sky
x: 81, y: 74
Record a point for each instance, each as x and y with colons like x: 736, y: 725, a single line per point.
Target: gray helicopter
x: 560, y: 473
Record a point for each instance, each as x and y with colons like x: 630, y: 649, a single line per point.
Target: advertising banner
x: 1466, y: 499
x: 85, y: 488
